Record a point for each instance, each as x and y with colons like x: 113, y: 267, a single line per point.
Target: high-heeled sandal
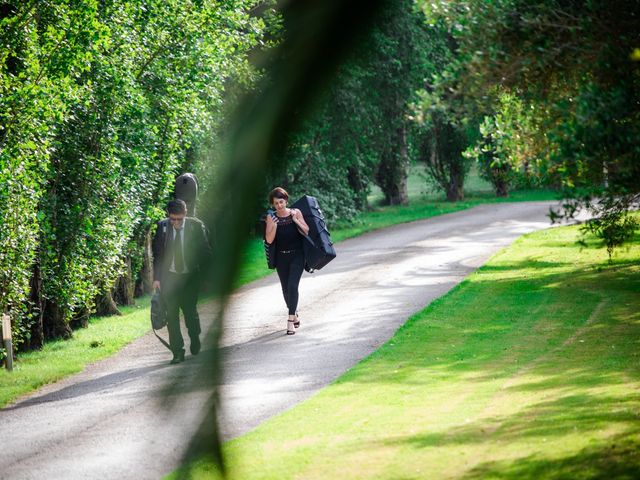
x: 290, y: 327
x: 296, y: 323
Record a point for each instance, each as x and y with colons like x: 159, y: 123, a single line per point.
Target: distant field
x: 419, y: 189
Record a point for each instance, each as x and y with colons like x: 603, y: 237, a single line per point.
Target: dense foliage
x: 99, y: 104
x: 509, y: 146
x: 360, y: 133
x: 574, y: 66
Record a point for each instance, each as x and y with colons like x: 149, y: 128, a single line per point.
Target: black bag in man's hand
x: 318, y: 247
x: 159, y: 316
x: 158, y: 312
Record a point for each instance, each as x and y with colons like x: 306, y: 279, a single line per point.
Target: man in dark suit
x: 179, y: 246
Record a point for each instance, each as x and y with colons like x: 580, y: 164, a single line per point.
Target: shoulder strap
x: 162, y: 340
x: 164, y: 225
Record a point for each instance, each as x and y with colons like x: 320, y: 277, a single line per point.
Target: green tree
x: 100, y: 103
x: 360, y: 132
x: 43, y: 53
x: 510, y: 146
x: 576, y: 64
x: 401, y: 50
x: 442, y: 133
x: 149, y: 94
x: 333, y: 154
x: 441, y: 150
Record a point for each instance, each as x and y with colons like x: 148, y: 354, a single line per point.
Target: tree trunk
x: 442, y: 153
x: 402, y: 196
x: 125, y: 285
x: 396, y: 193
x: 455, y: 191
x: 81, y: 320
x: 391, y: 175
x: 105, y: 305
x: 144, y: 282
x: 359, y: 186
x: 36, y: 338
x: 502, y: 188
x: 54, y: 322
x: 455, y: 186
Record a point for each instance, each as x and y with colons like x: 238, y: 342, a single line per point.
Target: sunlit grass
x: 529, y: 369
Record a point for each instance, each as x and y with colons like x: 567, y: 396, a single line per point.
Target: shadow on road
x: 100, y: 384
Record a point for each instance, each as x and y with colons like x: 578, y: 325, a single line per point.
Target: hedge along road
x: 117, y: 419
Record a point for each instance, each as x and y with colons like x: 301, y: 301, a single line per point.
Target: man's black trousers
x: 180, y: 292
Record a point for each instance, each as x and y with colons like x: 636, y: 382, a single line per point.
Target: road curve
x: 115, y: 420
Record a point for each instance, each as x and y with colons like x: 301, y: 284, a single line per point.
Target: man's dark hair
x: 176, y: 207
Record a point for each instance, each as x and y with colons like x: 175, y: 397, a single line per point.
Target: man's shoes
x: 177, y: 358
x: 195, y: 346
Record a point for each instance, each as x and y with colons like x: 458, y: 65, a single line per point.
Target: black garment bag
x: 158, y: 316
x: 318, y: 247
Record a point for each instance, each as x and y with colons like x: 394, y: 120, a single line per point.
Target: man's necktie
x: 178, y: 259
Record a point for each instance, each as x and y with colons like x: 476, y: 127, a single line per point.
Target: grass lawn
x: 58, y: 359
x: 528, y: 369
x: 105, y: 336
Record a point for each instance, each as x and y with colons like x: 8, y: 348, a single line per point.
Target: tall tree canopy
x: 100, y: 101
x: 575, y: 66
x: 360, y: 132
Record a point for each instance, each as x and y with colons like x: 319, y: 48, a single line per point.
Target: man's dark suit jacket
x: 196, y: 246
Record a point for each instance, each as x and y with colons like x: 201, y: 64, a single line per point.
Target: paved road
x: 113, y: 421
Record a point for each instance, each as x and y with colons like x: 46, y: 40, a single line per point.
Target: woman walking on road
x: 286, y: 228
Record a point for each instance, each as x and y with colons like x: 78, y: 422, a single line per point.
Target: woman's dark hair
x: 176, y: 207
x: 278, y: 192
